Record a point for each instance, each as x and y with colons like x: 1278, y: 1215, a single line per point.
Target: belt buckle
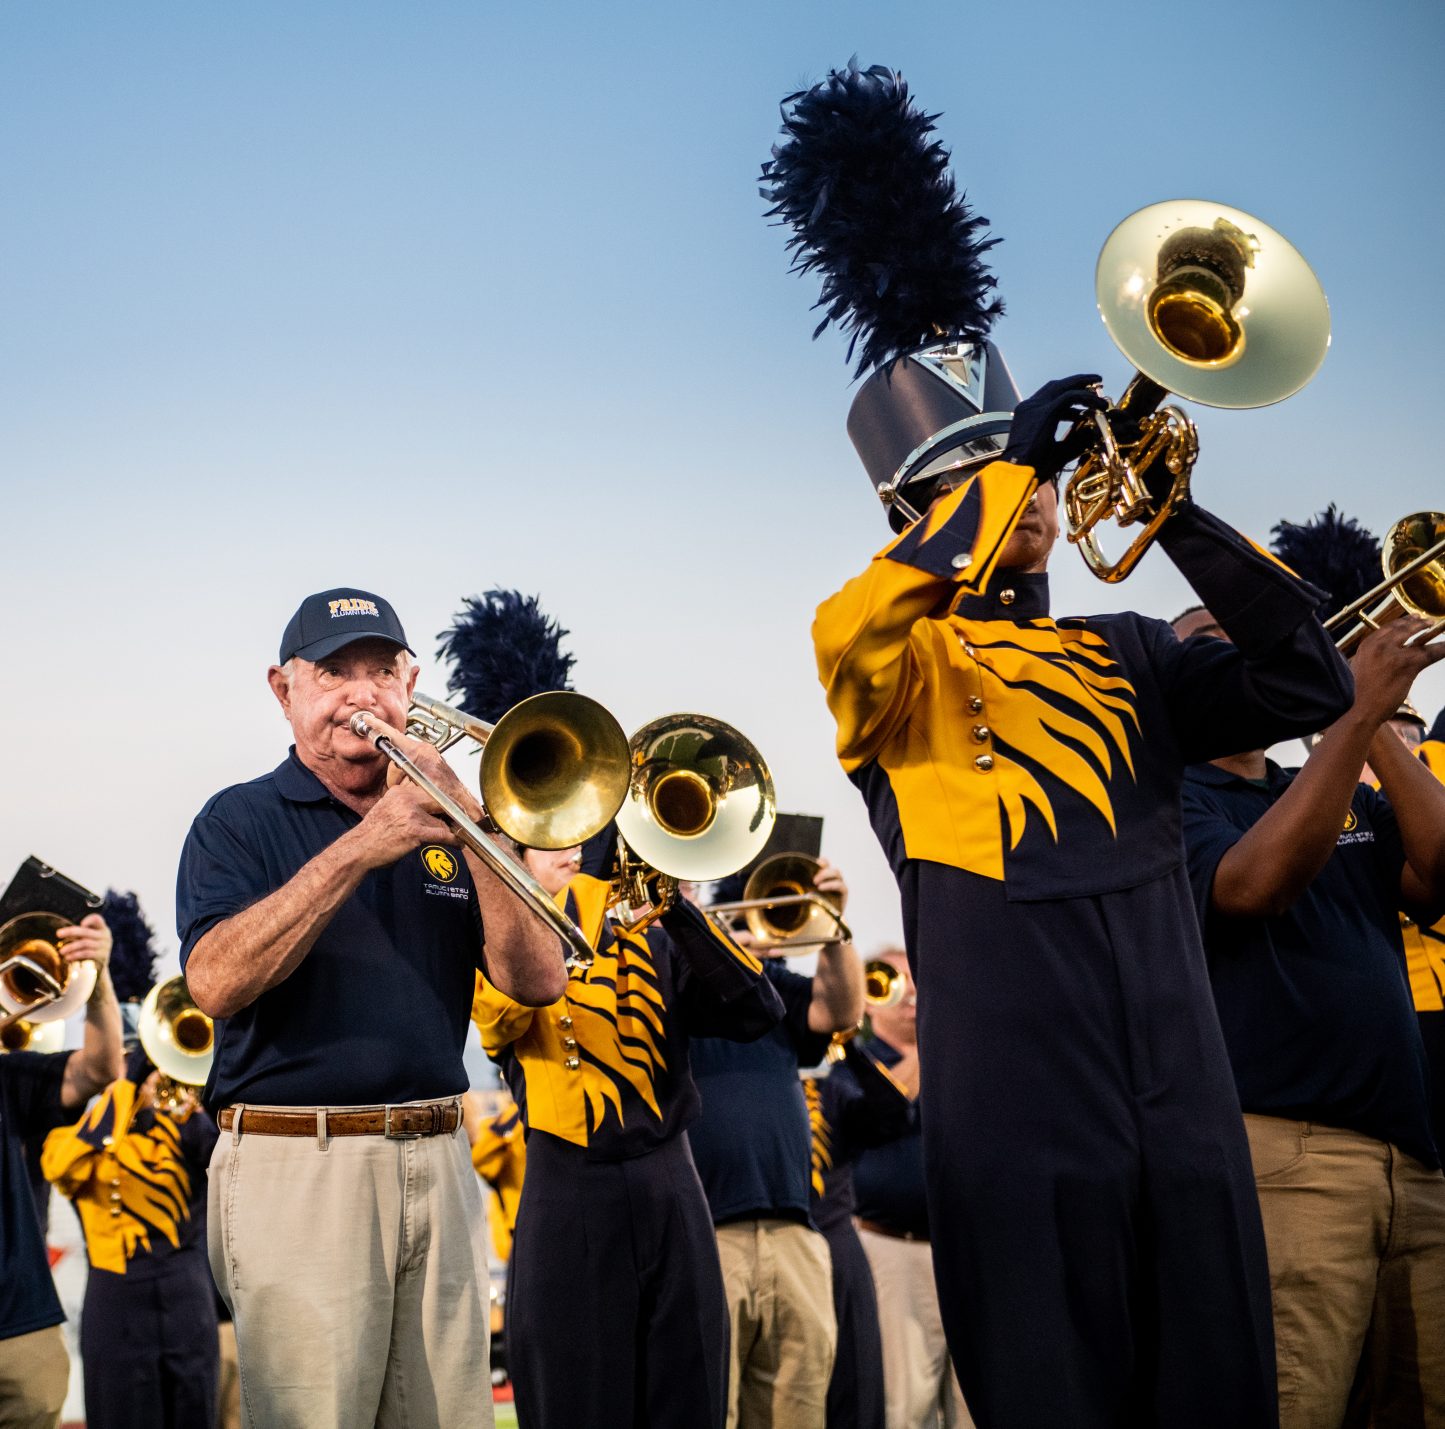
x: 398, y: 1135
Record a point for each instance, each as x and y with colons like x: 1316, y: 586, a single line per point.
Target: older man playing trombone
x: 332, y: 927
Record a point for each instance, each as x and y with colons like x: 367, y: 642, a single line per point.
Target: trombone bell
x: 36, y: 982
x: 1413, y: 558
x: 783, y: 909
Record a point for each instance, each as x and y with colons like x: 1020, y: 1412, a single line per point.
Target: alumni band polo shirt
x: 1314, y: 1004
x: 377, y: 1011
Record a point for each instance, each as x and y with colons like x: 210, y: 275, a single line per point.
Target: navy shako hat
x: 331, y: 619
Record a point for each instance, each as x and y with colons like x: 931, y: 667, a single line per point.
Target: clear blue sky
x: 441, y: 296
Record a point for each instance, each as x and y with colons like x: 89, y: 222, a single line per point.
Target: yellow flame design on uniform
x: 621, y: 984
x: 1044, y: 685
x: 822, y: 1133
x: 145, y: 1169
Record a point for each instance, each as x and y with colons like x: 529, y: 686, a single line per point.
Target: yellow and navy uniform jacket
x: 1043, y: 754
x: 499, y: 1155
x: 605, y: 1067
x: 855, y: 1106
x: 138, y: 1180
x: 1425, y: 963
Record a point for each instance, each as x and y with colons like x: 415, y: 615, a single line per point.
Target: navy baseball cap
x: 332, y: 618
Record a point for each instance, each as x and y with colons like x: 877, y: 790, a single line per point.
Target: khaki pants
x: 228, y: 1386
x: 1356, y: 1236
x: 920, y: 1390
x: 34, y: 1375
x: 779, y: 1283
x: 357, y: 1276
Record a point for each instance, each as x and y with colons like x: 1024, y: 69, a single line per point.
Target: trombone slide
x: 469, y: 833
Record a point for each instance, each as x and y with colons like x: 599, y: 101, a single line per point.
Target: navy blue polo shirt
x: 378, y: 1010
x: 888, y: 1185
x: 753, y: 1142
x: 30, y: 1086
x: 1315, y: 1004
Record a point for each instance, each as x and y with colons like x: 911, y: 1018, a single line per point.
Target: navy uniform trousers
x: 610, y: 1255
x: 149, y: 1348
x: 1100, y: 1186
x: 855, y: 1393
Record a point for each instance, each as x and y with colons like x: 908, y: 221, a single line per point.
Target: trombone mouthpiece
x: 359, y: 725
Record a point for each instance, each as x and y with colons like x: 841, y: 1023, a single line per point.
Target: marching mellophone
x: 180, y: 1041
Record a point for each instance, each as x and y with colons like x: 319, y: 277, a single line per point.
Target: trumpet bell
x: 177, y: 1036
x: 35, y: 979
x: 883, y: 984
x: 699, y: 802
x: 554, y: 770
x: 1213, y: 304
x: 789, y: 876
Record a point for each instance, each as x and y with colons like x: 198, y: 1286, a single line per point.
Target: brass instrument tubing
x: 1386, y: 589
x: 507, y: 869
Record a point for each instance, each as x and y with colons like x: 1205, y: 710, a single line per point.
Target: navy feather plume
x: 1333, y: 552
x: 133, y: 954
x: 874, y: 211
x: 503, y: 648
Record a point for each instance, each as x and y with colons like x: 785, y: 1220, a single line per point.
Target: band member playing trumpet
x: 135, y: 1167
x: 1302, y: 934
x: 333, y: 929
x: 39, y: 1091
x: 1096, y: 1237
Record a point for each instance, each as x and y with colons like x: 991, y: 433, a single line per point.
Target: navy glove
x: 1033, y: 439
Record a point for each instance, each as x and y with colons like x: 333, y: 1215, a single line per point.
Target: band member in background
x: 892, y: 1208
x: 753, y: 1146
x: 1096, y: 1236
x: 1302, y: 933
x: 499, y: 1157
x: 135, y: 1167
x: 854, y: 1104
x: 332, y: 928
x: 39, y: 1091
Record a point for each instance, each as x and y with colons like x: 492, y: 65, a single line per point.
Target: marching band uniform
x: 499, y: 1155
x: 1096, y: 1234
x: 855, y: 1106
x: 614, y: 1256
x: 148, y: 1334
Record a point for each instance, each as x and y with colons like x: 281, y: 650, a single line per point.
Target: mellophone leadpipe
x: 470, y: 834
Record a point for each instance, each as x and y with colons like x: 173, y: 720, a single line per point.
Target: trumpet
x: 37, y: 984
x: 1211, y: 304
x: 699, y: 805
x: 179, y: 1039
x: 472, y: 836
x: 783, y: 910
x: 1413, y: 557
x: 883, y: 984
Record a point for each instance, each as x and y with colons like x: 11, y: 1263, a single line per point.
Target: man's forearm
x: 525, y: 959
x: 1281, y: 855
x: 837, y: 990
x: 1418, y: 799
x: 263, y: 945
x: 100, y: 1059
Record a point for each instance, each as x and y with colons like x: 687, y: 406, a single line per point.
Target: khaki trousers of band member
x: 778, y: 1278
x: 34, y: 1376
x: 357, y: 1276
x: 1356, y: 1235
x: 920, y: 1389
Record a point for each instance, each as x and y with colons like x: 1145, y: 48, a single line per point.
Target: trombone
x: 179, y: 1039
x: 548, y: 768
x: 37, y: 984
x: 783, y: 910
x: 700, y: 804
x: 1413, y: 557
x: 1212, y: 304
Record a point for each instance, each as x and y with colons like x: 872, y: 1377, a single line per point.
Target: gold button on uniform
x: 976, y: 705
x: 962, y: 561
x: 565, y: 1023
x: 572, y: 1063
x: 1006, y: 596
x: 570, y: 1043
x: 983, y: 763
x: 980, y: 733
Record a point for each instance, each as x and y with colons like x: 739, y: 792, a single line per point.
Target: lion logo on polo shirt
x: 1352, y: 822
x: 439, y: 863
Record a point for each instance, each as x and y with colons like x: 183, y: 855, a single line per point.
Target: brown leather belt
x: 868, y: 1226
x: 398, y: 1123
